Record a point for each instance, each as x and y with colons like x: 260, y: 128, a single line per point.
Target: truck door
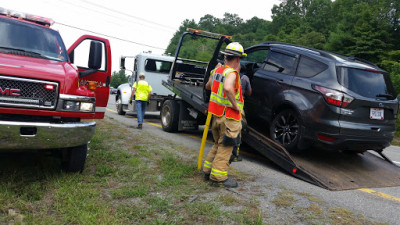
x: 92, y: 56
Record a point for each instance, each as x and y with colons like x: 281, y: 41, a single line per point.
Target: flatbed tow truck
x: 187, y: 109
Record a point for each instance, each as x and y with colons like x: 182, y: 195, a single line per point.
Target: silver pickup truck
x: 157, y: 68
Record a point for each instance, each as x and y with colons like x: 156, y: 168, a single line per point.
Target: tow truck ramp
x: 331, y: 170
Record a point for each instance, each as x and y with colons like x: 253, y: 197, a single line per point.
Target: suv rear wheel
x: 285, y: 129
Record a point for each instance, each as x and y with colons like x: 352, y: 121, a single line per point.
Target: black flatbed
x: 191, y: 94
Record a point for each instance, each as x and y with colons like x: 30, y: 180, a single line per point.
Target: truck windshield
x: 21, y: 38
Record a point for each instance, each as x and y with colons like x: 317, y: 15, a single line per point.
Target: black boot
x: 206, y: 176
x: 238, y: 158
x: 228, y: 183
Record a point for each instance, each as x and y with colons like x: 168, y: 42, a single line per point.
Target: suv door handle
x: 279, y: 81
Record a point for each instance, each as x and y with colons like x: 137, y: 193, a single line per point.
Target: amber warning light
x: 92, y: 85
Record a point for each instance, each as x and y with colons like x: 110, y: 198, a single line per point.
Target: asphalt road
x: 380, y: 204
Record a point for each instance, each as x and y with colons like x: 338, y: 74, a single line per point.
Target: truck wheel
x: 118, y: 103
x: 73, y: 159
x: 285, y: 129
x: 170, y: 116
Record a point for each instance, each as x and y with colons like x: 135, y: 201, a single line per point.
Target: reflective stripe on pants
x: 217, y: 160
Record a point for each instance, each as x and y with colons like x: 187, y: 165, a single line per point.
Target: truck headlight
x: 73, y: 103
x: 71, y: 106
x: 86, y: 107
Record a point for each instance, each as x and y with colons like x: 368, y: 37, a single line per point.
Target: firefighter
x: 226, y: 104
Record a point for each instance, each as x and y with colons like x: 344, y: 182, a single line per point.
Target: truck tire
x: 285, y: 129
x: 170, y: 116
x: 119, y: 106
x: 73, y: 159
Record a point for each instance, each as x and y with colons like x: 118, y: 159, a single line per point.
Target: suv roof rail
x: 354, y: 58
x: 320, y: 52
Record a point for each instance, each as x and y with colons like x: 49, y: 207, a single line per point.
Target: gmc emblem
x: 10, y: 91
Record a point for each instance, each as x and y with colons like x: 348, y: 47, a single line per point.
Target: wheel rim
x: 286, y: 129
x: 166, y: 116
x: 118, y: 103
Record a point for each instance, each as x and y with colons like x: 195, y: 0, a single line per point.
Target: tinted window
x: 31, y: 38
x: 159, y: 66
x: 309, y: 67
x: 257, y: 56
x: 281, y: 63
x: 366, y: 83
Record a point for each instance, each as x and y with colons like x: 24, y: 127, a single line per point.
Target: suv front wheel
x: 285, y: 129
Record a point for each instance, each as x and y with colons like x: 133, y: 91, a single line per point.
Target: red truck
x: 50, y: 96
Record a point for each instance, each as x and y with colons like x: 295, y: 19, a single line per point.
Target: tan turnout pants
x: 226, y: 137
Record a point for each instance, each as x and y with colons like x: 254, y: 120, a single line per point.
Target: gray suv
x: 304, y: 97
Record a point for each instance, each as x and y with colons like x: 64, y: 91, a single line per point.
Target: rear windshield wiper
x: 389, y: 96
x: 25, y: 52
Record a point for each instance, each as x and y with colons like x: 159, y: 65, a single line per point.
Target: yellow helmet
x: 234, y: 49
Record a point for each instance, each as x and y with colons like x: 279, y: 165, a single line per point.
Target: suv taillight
x: 333, y: 97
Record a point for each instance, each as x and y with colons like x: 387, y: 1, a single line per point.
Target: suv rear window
x: 366, y: 83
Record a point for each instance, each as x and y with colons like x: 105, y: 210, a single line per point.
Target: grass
x: 133, y: 178
x: 396, y: 139
x: 284, y: 199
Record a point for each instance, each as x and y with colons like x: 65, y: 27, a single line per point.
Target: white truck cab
x: 156, y: 68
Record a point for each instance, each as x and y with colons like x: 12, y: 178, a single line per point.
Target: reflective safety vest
x: 142, y: 90
x: 218, y: 99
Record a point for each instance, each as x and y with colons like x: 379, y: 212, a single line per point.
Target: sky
x: 133, y: 26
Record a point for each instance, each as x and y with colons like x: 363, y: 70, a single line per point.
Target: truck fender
x: 125, y: 91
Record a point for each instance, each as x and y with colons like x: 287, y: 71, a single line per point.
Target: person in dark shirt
x: 246, y: 91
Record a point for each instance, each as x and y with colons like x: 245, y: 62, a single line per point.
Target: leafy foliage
x: 118, y: 78
x: 362, y: 28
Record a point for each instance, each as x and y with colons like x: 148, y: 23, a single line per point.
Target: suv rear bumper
x: 35, y: 135
x: 355, y: 143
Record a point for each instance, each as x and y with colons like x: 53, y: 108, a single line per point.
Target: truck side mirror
x: 95, y: 55
x: 130, y: 80
x: 122, y: 63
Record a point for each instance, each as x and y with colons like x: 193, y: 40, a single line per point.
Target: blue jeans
x: 140, y: 109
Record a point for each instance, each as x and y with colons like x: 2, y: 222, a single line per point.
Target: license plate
x: 376, y: 114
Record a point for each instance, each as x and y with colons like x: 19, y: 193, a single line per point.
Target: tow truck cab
x: 156, y: 68
x: 46, y: 91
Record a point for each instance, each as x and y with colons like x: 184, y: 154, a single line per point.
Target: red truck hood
x: 29, y: 67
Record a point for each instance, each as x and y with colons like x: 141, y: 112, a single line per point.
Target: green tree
x: 209, y: 22
x: 392, y: 65
x: 360, y: 31
x: 118, y: 78
x: 173, y: 44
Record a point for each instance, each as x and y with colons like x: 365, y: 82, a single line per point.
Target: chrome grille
x: 27, y: 93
